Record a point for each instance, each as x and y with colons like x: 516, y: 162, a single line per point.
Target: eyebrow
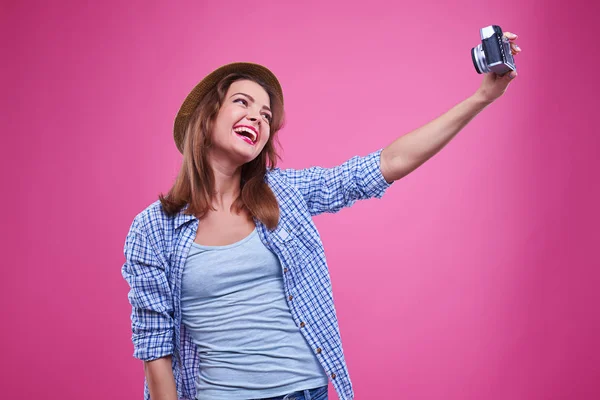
x: 252, y: 100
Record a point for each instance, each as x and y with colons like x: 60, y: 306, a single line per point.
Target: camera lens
x: 478, y: 58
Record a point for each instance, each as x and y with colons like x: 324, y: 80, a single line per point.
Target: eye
x: 268, y: 117
x: 242, y: 101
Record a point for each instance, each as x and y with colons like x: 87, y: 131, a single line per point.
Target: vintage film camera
x: 494, y: 53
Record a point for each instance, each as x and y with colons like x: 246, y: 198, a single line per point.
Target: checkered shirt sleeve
x: 150, y: 297
x: 331, y: 189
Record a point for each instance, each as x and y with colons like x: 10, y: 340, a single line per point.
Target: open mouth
x: 246, y: 133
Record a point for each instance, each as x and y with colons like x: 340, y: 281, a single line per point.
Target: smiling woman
x: 247, y: 118
x: 229, y: 285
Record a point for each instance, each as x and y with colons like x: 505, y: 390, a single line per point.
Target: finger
x: 514, y: 48
x: 510, y: 36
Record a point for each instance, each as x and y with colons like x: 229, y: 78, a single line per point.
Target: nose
x: 253, y: 118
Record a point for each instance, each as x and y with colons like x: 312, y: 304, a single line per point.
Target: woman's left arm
x: 408, y: 152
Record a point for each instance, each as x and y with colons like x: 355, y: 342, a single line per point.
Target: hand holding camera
x: 494, y: 57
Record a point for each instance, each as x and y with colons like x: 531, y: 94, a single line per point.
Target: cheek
x: 229, y: 116
x: 265, y: 136
x: 224, y: 124
x: 219, y: 132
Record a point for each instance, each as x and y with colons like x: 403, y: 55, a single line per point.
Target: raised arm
x: 408, y: 152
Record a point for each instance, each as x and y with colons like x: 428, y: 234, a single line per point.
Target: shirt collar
x: 183, y: 218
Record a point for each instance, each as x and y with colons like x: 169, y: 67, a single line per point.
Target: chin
x: 244, y: 157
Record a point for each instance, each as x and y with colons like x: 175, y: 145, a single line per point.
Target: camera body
x: 494, y: 53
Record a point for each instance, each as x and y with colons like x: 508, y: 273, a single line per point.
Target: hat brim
x: 208, y: 83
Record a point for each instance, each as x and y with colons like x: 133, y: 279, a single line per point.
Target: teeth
x: 248, y: 130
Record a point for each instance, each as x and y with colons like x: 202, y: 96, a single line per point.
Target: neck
x: 228, y: 179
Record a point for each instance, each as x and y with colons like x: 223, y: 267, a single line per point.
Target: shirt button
x: 302, y: 324
x: 318, y: 350
x: 332, y: 376
x: 285, y: 270
x: 291, y: 297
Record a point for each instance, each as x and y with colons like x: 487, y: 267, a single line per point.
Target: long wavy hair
x: 195, y: 183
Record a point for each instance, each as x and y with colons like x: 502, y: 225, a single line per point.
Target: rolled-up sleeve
x: 150, y: 297
x: 331, y: 189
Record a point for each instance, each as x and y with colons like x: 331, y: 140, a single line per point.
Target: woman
x: 230, y: 294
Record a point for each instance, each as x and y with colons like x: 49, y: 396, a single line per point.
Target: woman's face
x: 241, y: 129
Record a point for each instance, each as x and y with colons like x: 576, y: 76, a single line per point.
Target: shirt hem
x: 296, y: 387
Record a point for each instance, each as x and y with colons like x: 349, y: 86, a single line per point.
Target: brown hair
x: 195, y: 183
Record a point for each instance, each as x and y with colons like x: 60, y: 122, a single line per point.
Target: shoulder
x: 157, y: 229
x: 280, y: 183
x: 153, y: 222
x: 274, y: 174
x: 276, y: 178
x: 151, y: 216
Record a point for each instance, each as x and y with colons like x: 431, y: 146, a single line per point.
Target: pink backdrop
x: 475, y: 277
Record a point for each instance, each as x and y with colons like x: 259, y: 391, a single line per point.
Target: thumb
x: 512, y: 75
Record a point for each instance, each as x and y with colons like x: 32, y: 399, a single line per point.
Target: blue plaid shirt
x: 157, y: 246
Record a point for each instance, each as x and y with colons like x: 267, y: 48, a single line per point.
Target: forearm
x: 161, y: 382
x: 408, y: 152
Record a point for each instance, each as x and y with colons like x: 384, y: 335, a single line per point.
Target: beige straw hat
x: 209, y: 82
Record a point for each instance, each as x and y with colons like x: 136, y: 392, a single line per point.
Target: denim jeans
x: 319, y: 393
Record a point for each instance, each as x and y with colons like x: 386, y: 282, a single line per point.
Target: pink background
x: 475, y: 277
